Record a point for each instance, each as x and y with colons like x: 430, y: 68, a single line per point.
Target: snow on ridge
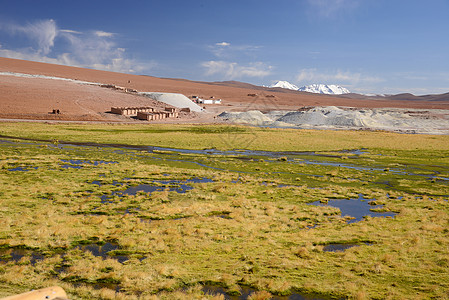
x: 330, y: 89
x: 285, y: 85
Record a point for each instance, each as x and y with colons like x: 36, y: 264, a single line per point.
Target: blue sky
x: 367, y: 46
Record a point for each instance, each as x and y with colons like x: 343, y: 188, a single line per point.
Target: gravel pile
x: 176, y: 100
x: 252, y: 117
x: 331, y: 117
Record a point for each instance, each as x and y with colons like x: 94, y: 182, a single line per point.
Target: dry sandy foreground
x: 35, y: 97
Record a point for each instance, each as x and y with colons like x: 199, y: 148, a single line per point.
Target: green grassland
x: 250, y: 225
x: 226, y: 137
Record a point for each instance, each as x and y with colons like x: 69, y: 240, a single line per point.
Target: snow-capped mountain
x: 330, y: 89
x: 285, y: 85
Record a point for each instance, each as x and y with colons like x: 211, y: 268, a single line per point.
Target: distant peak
x: 285, y: 85
x: 330, y: 89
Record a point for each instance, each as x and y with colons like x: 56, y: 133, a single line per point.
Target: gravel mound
x: 176, y: 100
x: 331, y: 117
x: 252, y: 117
x: 325, y: 116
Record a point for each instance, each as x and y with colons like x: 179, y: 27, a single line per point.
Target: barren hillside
x: 34, y: 98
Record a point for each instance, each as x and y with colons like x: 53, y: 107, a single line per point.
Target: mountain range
x: 330, y: 89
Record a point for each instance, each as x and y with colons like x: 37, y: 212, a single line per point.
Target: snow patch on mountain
x: 330, y: 89
x: 285, y: 85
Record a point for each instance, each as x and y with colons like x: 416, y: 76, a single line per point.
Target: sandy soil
x: 34, y: 98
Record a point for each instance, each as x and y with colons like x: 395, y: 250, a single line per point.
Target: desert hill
x: 34, y: 98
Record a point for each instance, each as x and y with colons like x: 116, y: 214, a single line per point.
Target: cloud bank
x: 233, y: 70
x: 229, y: 63
x: 223, y: 44
x: 94, y: 49
x: 337, y: 77
x: 226, y: 50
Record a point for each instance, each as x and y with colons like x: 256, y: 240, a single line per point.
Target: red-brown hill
x: 36, y: 97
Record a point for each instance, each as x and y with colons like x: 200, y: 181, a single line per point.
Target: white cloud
x: 223, y: 44
x: 232, y: 70
x: 27, y: 54
x: 43, y: 33
x: 70, y: 31
x: 100, y: 33
x: 308, y: 76
x: 98, y: 52
x: 225, y: 50
x: 329, y: 8
x: 95, y: 49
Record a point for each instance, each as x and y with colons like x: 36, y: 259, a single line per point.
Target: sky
x: 367, y: 46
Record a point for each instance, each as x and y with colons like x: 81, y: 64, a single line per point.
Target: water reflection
x: 356, y: 208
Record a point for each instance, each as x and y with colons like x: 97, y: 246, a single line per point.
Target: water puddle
x: 100, y: 183
x: 256, y: 155
x: 439, y: 179
x: 385, y: 182
x: 16, y: 254
x: 71, y: 167
x: 103, y: 251
x: 355, y: 151
x: 341, y: 247
x: 340, y: 165
x: 220, y: 214
x: 170, y: 185
x: 356, y: 208
x: 179, y: 186
x: 78, y: 163
x: 22, y: 169
x: 166, y: 150
x: 200, y: 164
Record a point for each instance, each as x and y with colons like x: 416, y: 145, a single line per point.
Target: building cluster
x: 199, y: 100
x: 147, y: 113
x: 130, y: 111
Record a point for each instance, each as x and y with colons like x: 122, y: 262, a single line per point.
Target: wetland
x: 213, y: 212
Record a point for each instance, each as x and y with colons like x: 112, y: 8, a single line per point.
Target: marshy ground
x: 124, y: 212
